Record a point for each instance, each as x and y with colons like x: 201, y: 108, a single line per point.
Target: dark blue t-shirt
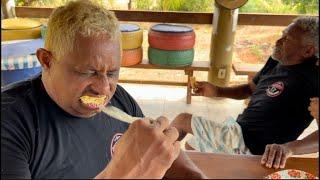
x: 278, y: 109
x: 40, y: 140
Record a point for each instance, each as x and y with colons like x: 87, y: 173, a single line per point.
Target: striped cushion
x: 19, y: 62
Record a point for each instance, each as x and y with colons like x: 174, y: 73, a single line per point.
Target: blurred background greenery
x: 252, y: 6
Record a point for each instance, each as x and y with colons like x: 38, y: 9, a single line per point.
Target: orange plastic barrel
x: 171, y: 37
x: 131, y: 57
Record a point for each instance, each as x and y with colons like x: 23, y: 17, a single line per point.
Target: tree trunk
x: 129, y: 4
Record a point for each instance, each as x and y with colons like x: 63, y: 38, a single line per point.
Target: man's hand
x: 205, y: 89
x: 146, y: 150
x: 276, y: 155
x: 314, y: 107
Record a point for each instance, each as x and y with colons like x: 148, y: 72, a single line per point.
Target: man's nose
x: 280, y: 41
x: 101, y: 85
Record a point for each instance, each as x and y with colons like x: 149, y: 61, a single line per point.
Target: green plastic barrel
x: 170, y: 58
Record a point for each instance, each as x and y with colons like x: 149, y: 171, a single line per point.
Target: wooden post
x: 129, y: 4
x: 224, y: 27
x: 189, y: 73
x: 7, y: 9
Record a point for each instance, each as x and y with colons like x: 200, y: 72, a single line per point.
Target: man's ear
x: 309, y: 51
x: 45, y: 58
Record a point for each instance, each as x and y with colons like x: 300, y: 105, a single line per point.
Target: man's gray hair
x: 310, y: 26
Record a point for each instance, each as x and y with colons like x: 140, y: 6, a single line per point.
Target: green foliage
x: 169, y: 5
x: 53, y: 3
x: 281, y: 6
x: 304, y: 6
x: 252, y: 6
x: 197, y: 5
x: 143, y: 4
x: 175, y: 5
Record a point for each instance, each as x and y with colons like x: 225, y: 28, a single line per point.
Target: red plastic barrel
x: 171, y: 37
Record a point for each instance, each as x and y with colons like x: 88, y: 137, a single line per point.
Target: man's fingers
x: 277, y: 159
x: 198, y: 91
x: 162, y: 122
x: 172, y: 133
x: 271, y: 156
x: 176, y: 149
x: 313, y: 103
x: 197, y: 94
x: 265, y: 155
x: 199, y: 84
x: 283, y: 161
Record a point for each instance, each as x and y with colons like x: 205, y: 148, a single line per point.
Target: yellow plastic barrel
x: 20, y: 28
x: 131, y: 36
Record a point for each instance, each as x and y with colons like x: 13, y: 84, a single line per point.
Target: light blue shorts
x: 215, y: 137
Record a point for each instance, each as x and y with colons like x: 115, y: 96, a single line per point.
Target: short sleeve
x: 123, y: 100
x: 256, y: 78
x: 314, y: 84
x: 15, y: 146
x: 271, y: 63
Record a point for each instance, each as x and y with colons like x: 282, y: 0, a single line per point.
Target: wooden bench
x: 246, y: 69
x: 196, y: 66
x: 239, y: 69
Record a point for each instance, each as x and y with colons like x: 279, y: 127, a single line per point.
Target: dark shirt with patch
x: 278, y: 109
x: 40, y: 140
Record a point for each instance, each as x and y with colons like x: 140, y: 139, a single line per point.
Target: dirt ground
x: 253, y: 44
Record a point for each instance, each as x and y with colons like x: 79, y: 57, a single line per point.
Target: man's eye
x: 87, y: 72
x: 112, y: 73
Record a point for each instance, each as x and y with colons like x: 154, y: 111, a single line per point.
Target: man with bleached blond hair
x: 52, y: 125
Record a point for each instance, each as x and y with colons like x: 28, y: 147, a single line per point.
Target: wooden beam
x: 33, y: 12
x: 266, y: 19
x: 172, y: 17
x: 196, y: 66
x: 165, y: 17
x: 171, y: 83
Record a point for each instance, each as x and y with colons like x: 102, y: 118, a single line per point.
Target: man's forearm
x: 236, y: 92
x: 309, y: 144
x: 183, y: 167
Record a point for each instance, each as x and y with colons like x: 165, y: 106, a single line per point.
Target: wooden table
x: 246, y: 167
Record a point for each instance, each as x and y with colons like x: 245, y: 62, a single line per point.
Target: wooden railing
x: 172, y: 17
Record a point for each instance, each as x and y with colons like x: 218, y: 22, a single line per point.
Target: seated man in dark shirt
x: 52, y: 125
x: 278, y: 110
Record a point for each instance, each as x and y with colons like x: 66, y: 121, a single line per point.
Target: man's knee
x: 188, y: 147
x: 183, y: 122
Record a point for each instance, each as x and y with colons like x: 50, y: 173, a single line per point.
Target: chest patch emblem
x: 114, y: 141
x: 275, y: 89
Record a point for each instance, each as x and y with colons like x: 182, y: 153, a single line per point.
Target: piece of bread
x: 93, y: 100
